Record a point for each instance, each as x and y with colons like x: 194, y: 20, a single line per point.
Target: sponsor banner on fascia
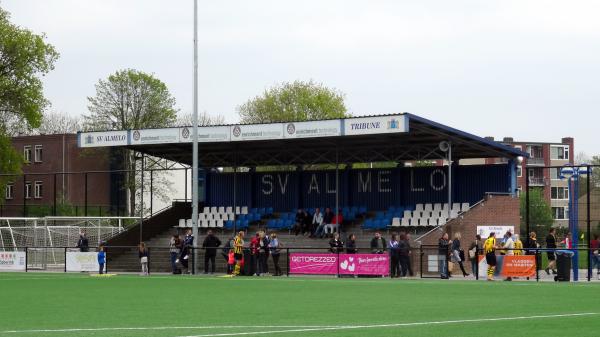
x: 100, y: 139
x: 500, y: 230
x: 374, y: 125
x: 257, y: 132
x: 312, y: 129
x: 206, y: 134
x: 155, y: 136
x: 12, y: 261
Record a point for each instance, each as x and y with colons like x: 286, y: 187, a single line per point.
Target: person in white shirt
x: 317, y: 223
x: 509, y: 244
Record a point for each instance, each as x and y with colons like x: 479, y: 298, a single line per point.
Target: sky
x: 527, y: 69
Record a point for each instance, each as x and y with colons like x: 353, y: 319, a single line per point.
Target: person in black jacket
x: 443, y: 245
x: 551, y: 244
x: 335, y: 244
x: 211, y: 242
x: 351, y: 245
x: 403, y: 254
x: 83, y: 243
x: 378, y: 244
x: 188, y: 241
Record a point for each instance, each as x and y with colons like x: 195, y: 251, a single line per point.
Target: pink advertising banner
x: 348, y: 264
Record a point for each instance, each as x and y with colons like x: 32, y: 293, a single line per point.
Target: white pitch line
x: 171, y: 327
x: 353, y: 327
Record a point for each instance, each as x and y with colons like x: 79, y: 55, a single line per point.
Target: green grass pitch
x: 65, y: 305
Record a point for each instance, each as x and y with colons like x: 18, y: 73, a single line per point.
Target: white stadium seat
x: 419, y: 207
x: 204, y: 223
x: 456, y: 207
x: 219, y: 223
x: 213, y: 209
x: 244, y: 209
x: 229, y: 210
x: 212, y: 223
x: 188, y: 223
x: 181, y: 222
x: 396, y: 222
x: 221, y: 210
x: 437, y: 207
x: 407, y: 214
x: 237, y: 210
x: 465, y: 207
x: 405, y: 222
x: 428, y: 208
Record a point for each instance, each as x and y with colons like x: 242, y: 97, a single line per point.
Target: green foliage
x: 296, y: 101
x: 24, y: 57
x: 540, y: 213
x: 131, y: 99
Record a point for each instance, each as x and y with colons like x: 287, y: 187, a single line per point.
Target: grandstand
x: 397, y: 197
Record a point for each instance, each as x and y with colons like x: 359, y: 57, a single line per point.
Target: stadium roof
x: 393, y: 137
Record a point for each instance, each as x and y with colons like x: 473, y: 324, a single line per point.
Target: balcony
x: 537, y: 181
x: 535, y: 162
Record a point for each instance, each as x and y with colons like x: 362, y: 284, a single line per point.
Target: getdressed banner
x: 14, y: 261
x: 348, y: 264
x: 82, y: 261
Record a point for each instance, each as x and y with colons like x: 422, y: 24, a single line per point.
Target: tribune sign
x: 375, y: 125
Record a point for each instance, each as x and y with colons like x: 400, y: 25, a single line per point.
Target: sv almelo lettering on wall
x: 383, y: 182
x: 313, y: 187
x: 267, y: 181
x: 438, y: 184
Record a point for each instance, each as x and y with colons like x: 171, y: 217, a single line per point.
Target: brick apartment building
x: 544, y: 155
x: 53, y: 183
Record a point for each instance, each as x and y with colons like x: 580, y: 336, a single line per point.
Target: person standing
x: 456, y: 255
x: 403, y: 254
x: 351, y: 244
x: 335, y: 244
x: 518, y: 245
x: 143, y: 255
x: 443, y: 251
x: 263, y: 254
x: 83, y: 244
x: 474, y: 250
x: 531, y: 246
x: 275, y: 247
x: 254, y: 254
x: 567, y: 242
x: 174, y: 251
x: 489, y: 248
x: 394, y: 256
x: 551, y: 244
x: 101, y: 259
x: 238, y: 255
x: 184, y: 255
x: 299, y: 222
x: 509, y: 246
x: 378, y: 244
x: 595, y: 251
x: 410, y: 270
x: 210, y: 244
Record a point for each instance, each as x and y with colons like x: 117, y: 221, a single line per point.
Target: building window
x: 38, y: 153
x: 555, y: 173
x: 559, y: 152
x: 28, y: 190
x: 560, y: 213
x: 9, y: 191
x: 27, y: 154
x: 519, y: 171
x: 38, y: 189
x: 559, y: 193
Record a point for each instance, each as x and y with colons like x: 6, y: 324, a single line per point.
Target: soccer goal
x: 46, y: 238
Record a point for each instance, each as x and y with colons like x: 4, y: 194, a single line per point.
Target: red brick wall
x: 502, y: 210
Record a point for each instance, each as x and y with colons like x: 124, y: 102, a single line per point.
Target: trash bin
x: 563, y: 265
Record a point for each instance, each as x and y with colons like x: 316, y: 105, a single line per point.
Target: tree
x: 24, y: 57
x: 131, y: 99
x: 540, y: 213
x: 59, y: 123
x: 296, y: 101
x: 204, y: 119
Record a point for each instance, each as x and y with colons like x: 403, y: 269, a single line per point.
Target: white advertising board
x: 14, y: 261
x: 376, y: 124
x: 100, y: 139
x: 257, y: 132
x: 485, y: 231
x: 80, y: 261
x: 312, y: 129
x: 206, y: 134
x: 155, y: 136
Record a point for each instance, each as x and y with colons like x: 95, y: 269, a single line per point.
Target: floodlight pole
x: 195, y: 140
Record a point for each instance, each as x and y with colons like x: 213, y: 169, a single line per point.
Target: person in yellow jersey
x: 518, y: 245
x: 489, y: 248
x: 238, y: 255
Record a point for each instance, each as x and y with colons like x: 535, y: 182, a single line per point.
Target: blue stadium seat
x: 255, y: 217
x: 229, y: 224
x: 262, y: 211
x: 253, y: 210
x: 242, y: 216
x: 368, y: 224
x: 354, y: 209
x: 269, y: 210
x: 362, y: 209
x: 392, y: 209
